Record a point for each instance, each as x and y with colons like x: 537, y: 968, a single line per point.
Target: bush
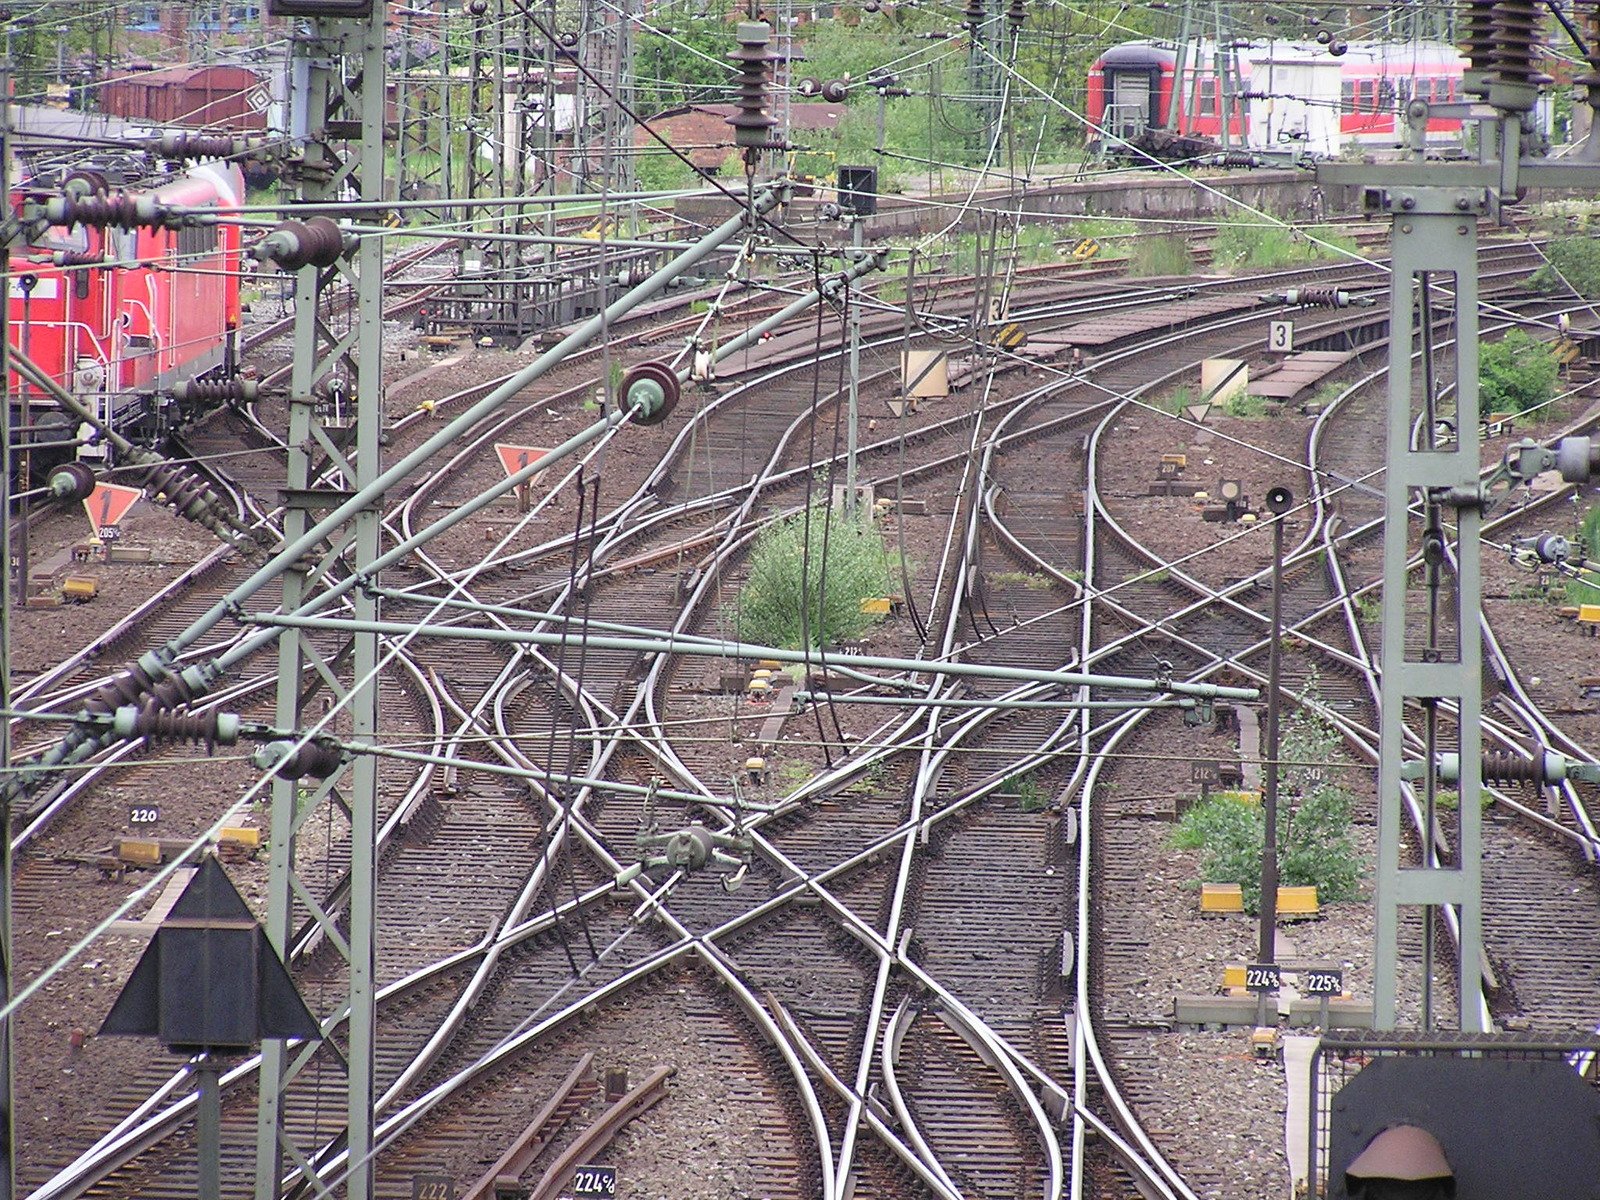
x: 1248, y: 406
x: 857, y: 567
x: 1516, y: 373
x: 1164, y: 255
x: 1575, y: 260
x: 1247, y: 243
x: 1315, y: 846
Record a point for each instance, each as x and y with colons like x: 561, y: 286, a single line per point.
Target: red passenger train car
x: 119, y: 316
x: 1297, y: 98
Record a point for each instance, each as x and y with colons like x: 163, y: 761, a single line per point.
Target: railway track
x: 884, y: 995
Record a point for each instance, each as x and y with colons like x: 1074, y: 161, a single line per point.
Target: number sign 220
x: 144, y: 814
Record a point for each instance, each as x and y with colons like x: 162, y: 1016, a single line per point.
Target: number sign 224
x: 594, y: 1181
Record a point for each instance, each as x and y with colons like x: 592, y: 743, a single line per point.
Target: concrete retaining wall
x: 1138, y: 194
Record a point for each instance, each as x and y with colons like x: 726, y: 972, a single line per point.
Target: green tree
x: 659, y: 171
x: 1315, y: 843
x: 689, y: 64
x: 854, y: 567
x: 1516, y: 373
x: 1572, y: 262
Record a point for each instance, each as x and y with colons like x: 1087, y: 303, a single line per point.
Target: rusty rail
x: 531, y: 1142
x: 606, y: 1126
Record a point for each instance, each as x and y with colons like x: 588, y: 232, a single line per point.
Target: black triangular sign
x: 136, y: 1009
x: 197, y: 935
x: 283, y: 1014
x: 211, y: 896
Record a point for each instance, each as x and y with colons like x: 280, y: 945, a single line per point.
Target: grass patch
x: 1585, y: 589
x: 1244, y: 244
x: 1031, y: 580
x: 1167, y: 254
x: 1573, y: 261
x: 1030, y: 796
x: 1249, y: 407
x: 1177, y: 399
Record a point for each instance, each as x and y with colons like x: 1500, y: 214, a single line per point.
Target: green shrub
x: 1516, y: 373
x: 1254, y: 245
x: 1030, y: 796
x: 1164, y: 255
x: 857, y: 567
x: 1315, y: 845
x: 1573, y: 259
x: 1249, y: 406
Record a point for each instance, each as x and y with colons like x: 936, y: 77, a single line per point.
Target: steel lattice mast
x: 335, y: 421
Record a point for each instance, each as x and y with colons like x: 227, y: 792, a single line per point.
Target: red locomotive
x: 118, y: 315
x: 1297, y: 98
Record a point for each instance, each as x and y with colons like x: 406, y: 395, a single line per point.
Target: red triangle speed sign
x: 517, y: 458
x: 109, y: 503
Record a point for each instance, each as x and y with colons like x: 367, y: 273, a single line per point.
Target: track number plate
x: 594, y: 1181
x: 1322, y: 982
x: 1262, y: 977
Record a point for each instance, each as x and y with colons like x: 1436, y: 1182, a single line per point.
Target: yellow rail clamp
x: 1264, y: 1041
x: 139, y: 853
x: 1589, y: 614
x: 876, y: 606
x: 80, y: 588
x: 770, y: 664
x: 1086, y: 249
x: 242, y: 835
x: 1181, y: 461
x: 1233, y: 977
x: 1222, y: 898
x: 1298, y: 902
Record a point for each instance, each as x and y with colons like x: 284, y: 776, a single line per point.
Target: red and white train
x: 1289, y: 97
x: 118, y: 316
